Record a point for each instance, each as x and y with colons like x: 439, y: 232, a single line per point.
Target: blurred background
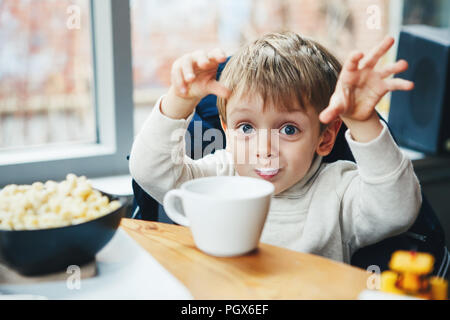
x: 46, y: 69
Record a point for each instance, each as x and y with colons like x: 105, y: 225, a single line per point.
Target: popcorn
x: 52, y: 204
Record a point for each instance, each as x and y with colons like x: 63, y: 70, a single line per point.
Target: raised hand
x: 360, y: 87
x: 193, y: 77
x: 194, y: 74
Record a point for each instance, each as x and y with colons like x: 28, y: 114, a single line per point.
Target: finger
x: 218, y: 89
x: 378, y: 52
x: 218, y: 55
x: 201, y: 59
x: 352, y: 63
x: 178, y: 80
x: 187, y: 69
x: 395, y: 68
x: 399, y: 84
x: 331, y: 113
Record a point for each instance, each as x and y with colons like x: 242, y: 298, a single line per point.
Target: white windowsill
x: 117, y: 185
x: 52, y: 153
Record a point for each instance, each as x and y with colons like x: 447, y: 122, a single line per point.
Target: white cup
x: 226, y: 215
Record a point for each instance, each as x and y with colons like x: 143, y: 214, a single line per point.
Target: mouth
x: 267, y: 173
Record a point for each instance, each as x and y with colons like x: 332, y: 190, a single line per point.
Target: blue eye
x: 289, y: 130
x: 246, y: 128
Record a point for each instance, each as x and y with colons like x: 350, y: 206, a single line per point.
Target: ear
x: 328, y: 138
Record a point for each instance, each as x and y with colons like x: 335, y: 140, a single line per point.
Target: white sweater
x: 334, y: 210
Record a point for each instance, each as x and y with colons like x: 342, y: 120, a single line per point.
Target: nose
x: 264, y: 144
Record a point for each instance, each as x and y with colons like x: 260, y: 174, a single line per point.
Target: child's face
x: 272, y: 145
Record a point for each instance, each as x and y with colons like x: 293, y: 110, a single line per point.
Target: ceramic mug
x: 225, y: 214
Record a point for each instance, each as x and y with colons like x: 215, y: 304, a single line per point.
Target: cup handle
x: 172, y: 212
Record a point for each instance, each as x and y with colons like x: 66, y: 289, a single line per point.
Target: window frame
x: 114, y: 107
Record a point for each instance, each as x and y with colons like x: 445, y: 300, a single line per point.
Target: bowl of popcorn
x: 46, y: 227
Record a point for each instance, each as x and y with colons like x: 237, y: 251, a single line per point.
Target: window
x: 66, y: 93
x: 79, y: 71
x: 45, y: 73
x: 163, y: 30
x: 434, y: 13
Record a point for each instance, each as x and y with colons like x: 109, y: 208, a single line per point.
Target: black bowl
x: 43, y: 251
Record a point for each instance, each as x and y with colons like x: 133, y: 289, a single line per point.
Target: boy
x: 282, y: 100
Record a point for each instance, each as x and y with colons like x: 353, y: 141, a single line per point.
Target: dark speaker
x: 420, y: 119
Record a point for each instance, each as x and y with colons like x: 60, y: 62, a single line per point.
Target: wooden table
x: 268, y: 273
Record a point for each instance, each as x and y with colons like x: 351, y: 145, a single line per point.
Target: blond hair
x: 281, y: 67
